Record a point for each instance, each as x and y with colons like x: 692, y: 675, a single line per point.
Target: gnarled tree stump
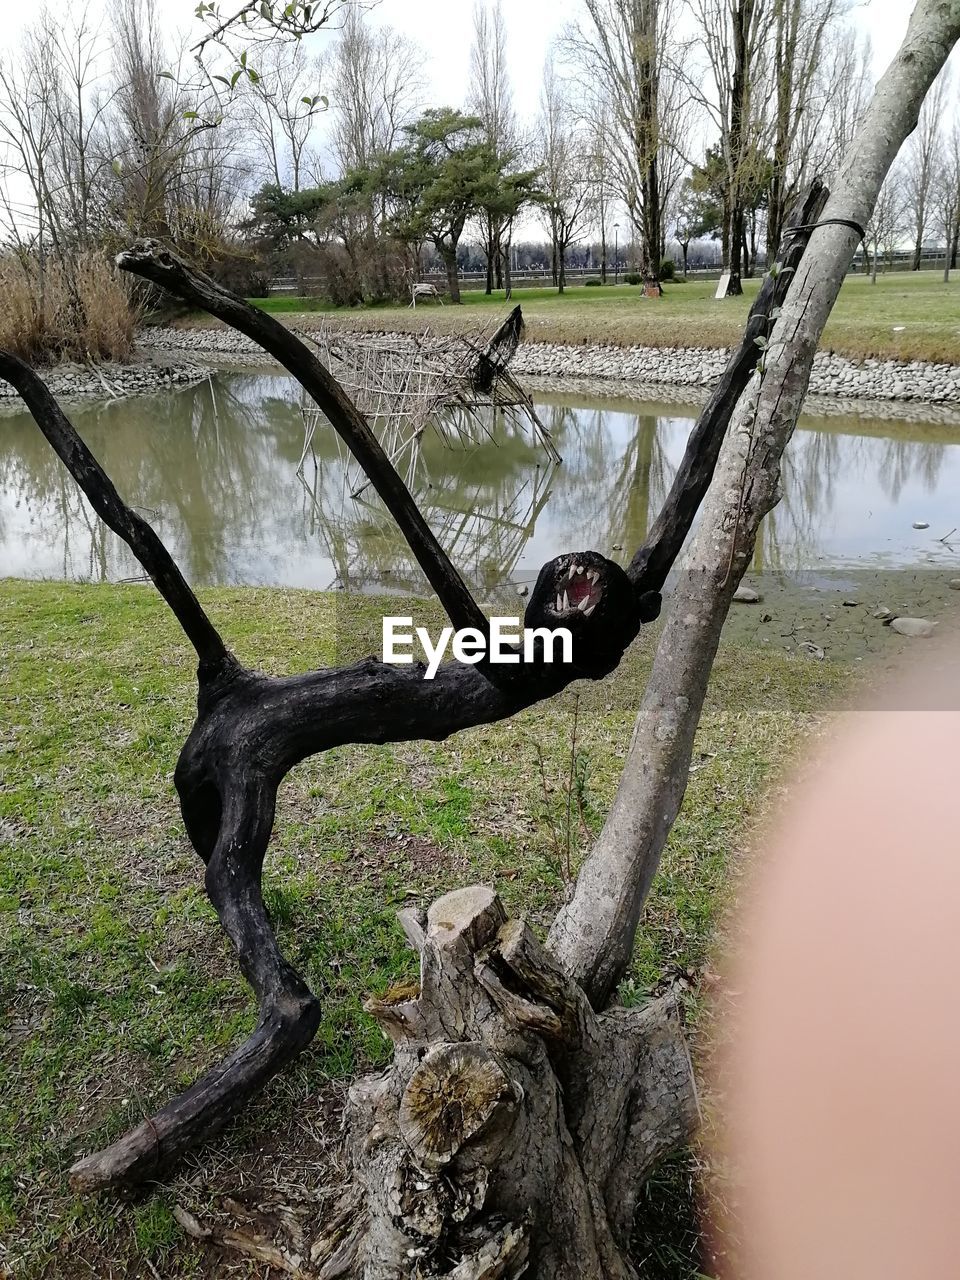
x: 513, y: 1130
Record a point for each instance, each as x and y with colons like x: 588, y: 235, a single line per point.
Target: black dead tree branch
x: 252, y: 729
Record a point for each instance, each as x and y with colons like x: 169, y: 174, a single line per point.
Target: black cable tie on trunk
x: 828, y: 222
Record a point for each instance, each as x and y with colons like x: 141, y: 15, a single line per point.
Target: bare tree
x: 678, y: 128
x: 921, y: 165
x: 376, y: 90
x: 179, y: 166
x: 29, y: 125
x: 736, y: 36
x: 490, y: 96
x: 154, y: 117
x: 887, y: 220
x: 845, y: 85
x: 802, y: 32
x: 490, y: 99
x: 111, y: 141
x: 284, y: 102
x: 52, y: 110
x: 207, y: 192
x: 946, y: 193
x: 72, y: 58
x: 685, y: 221
x: 622, y: 47
x: 567, y: 188
x: 598, y: 124
x: 953, y: 242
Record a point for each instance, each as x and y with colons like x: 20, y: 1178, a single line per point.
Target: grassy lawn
x: 117, y: 987
x: 909, y: 316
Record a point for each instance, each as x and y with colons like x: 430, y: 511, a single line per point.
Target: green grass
x: 280, y: 304
x: 117, y: 987
x: 864, y: 323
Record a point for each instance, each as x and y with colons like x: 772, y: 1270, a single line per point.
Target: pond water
x: 213, y: 467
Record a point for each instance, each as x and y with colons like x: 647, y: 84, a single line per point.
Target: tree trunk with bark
x: 508, y: 262
x: 775, y: 199
x: 735, y: 239
x: 651, y: 213
x: 736, y: 144
x: 449, y: 258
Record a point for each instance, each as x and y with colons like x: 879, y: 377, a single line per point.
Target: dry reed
x: 76, y: 308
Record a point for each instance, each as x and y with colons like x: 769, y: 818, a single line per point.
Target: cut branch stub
x: 398, y: 1013
x: 530, y: 988
x: 454, y: 1095
x: 466, y: 918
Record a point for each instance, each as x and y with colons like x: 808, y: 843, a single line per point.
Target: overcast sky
x: 444, y: 28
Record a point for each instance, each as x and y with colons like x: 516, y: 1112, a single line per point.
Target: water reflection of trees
x: 485, y: 506
x: 202, y: 464
x: 788, y: 536
x: 616, y: 473
x: 213, y: 467
x: 903, y: 461
x: 483, y: 503
x: 813, y: 467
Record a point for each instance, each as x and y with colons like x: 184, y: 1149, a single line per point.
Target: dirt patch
x: 421, y: 856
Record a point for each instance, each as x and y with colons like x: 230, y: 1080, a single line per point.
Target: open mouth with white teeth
x: 567, y: 593
x: 579, y: 591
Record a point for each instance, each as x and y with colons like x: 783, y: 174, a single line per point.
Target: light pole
x: 616, y: 253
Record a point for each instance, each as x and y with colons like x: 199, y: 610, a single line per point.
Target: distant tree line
x: 643, y: 137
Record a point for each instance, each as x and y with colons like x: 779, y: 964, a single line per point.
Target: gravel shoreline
x: 110, y: 381
x: 169, y: 357
x: 833, y: 376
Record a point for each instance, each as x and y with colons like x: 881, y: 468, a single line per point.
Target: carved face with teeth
x: 595, y: 600
x: 580, y: 590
